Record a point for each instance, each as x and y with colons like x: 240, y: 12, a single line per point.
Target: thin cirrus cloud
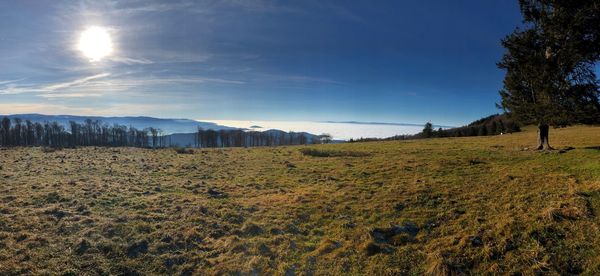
x: 12, y: 88
x: 2, y: 82
x: 71, y: 95
x: 119, y: 109
x: 97, y: 85
x: 130, y: 61
x: 202, y: 7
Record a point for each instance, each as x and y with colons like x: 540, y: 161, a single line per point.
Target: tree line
x: 208, y: 138
x: 492, y: 125
x: 17, y: 132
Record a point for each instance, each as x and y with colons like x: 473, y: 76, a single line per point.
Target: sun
x: 95, y: 43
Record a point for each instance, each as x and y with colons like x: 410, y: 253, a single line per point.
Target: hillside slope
x: 460, y: 205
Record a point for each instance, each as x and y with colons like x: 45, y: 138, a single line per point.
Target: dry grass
x: 478, y: 205
x: 184, y: 151
x: 331, y: 153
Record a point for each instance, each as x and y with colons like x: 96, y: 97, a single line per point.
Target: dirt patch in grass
x: 332, y: 153
x: 184, y: 151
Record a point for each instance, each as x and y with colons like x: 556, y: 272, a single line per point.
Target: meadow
x: 478, y: 205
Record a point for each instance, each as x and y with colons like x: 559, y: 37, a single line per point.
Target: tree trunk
x: 543, y: 143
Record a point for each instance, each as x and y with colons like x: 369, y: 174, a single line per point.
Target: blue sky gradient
x: 386, y: 61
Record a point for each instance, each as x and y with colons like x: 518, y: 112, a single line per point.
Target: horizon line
x: 247, y: 120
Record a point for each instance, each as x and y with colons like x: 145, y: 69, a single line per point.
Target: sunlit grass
x: 481, y: 204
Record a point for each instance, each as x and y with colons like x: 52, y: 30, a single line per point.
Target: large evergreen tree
x: 550, y: 75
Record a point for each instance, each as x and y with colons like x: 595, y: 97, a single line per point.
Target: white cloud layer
x: 343, y: 131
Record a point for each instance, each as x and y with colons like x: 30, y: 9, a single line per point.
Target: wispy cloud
x: 173, y: 56
x: 301, y: 79
x: 71, y: 95
x: 222, y: 81
x: 11, y: 88
x: 149, y: 7
x: 107, y: 110
x: 130, y: 61
x: 100, y: 84
x: 264, y: 6
x: 74, y: 83
x: 9, y: 81
x: 206, y: 7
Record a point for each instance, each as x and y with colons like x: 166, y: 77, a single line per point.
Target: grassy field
x: 441, y: 206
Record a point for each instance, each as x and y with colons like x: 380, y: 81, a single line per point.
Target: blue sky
x: 386, y: 61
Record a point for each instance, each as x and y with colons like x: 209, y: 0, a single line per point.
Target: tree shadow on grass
x: 593, y: 148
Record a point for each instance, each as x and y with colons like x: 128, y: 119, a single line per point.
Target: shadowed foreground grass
x: 453, y: 205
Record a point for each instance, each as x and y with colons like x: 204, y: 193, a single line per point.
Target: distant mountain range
x: 169, y: 126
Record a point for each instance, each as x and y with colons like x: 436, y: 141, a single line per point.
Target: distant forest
x: 492, y: 125
x: 17, y: 132
x: 240, y: 138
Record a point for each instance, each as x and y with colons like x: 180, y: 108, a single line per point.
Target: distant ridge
x: 384, y: 124
x: 169, y: 126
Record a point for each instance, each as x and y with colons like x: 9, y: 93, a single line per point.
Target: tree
x: 440, y: 133
x: 493, y: 128
x: 6, y: 131
x: 17, y: 131
x: 154, y: 133
x: 550, y: 78
x: 482, y: 131
x: 428, y: 130
x: 325, y: 138
x: 30, y: 134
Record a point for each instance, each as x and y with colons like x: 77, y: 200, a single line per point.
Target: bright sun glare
x: 95, y: 43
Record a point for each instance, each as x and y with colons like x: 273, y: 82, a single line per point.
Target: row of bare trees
x: 208, y: 138
x: 17, y: 132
